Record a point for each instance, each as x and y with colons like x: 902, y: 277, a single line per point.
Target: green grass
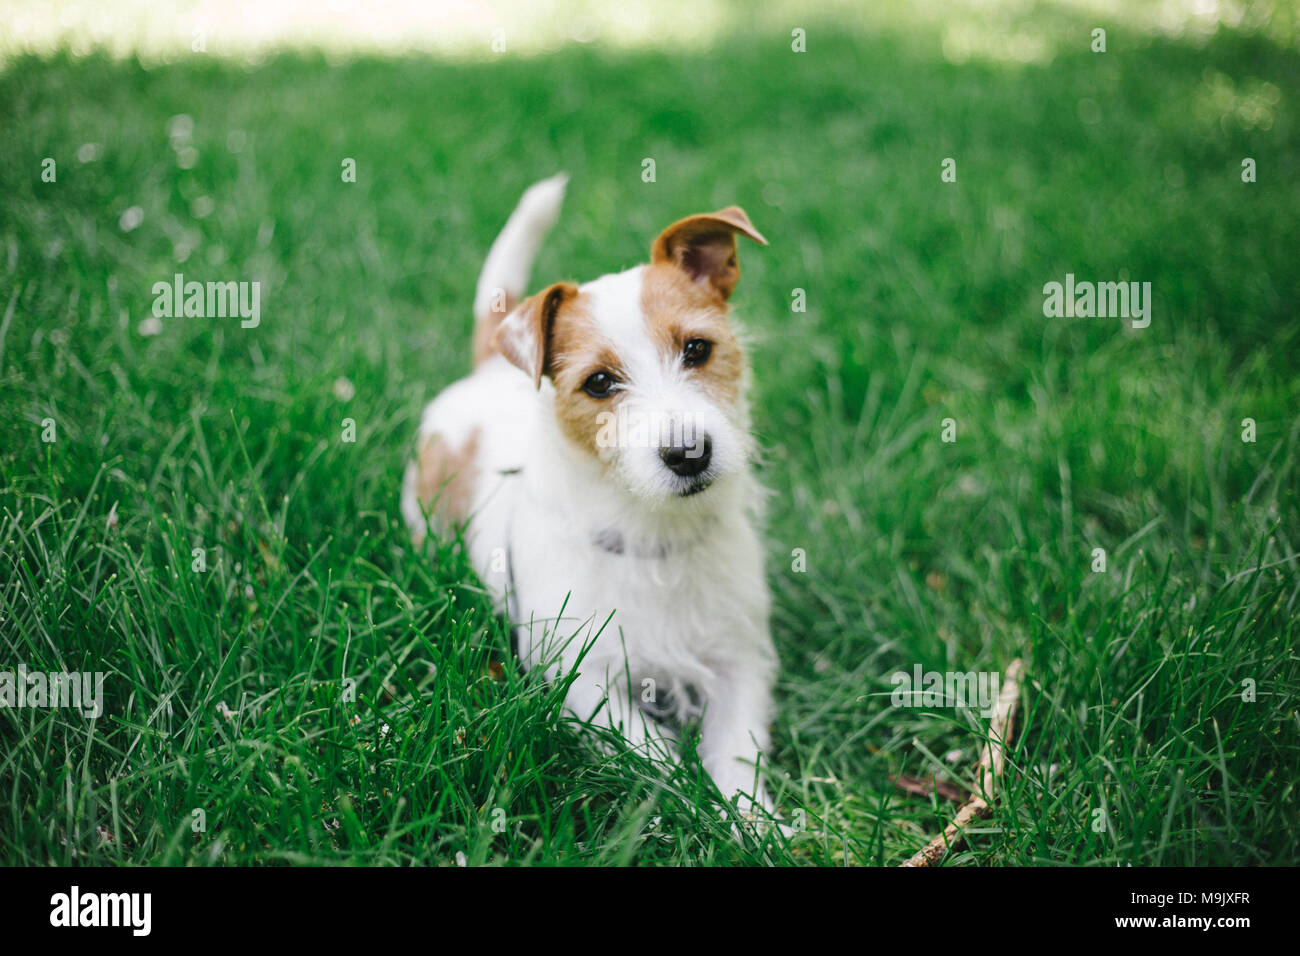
x: 225, y: 690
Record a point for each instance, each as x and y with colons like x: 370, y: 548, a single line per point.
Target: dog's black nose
x: 687, y: 460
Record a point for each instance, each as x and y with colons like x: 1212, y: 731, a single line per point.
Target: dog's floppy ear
x: 524, y: 336
x: 704, y: 246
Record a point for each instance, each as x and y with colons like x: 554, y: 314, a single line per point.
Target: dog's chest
x: 679, y: 610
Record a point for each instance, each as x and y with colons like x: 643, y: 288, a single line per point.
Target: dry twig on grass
x: 993, y: 759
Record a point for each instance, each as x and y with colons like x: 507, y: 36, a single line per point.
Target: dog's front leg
x: 734, y: 738
x: 605, y: 699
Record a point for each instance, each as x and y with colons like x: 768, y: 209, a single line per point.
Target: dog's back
x: 474, y: 433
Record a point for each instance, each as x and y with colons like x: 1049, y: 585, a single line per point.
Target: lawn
x: 287, y: 679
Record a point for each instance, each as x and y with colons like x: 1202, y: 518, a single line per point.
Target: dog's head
x: 647, y: 371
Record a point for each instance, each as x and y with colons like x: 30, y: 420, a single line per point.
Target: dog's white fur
x: 552, y: 528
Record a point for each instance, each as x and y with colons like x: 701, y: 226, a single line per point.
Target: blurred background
x: 1010, y: 30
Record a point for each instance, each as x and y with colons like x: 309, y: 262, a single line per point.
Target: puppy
x: 599, y: 457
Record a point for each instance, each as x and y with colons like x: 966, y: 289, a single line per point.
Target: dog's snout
x: 687, y: 460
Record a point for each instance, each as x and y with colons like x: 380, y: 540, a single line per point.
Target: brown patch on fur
x: 678, y: 310
x: 577, y: 350
x: 446, y: 476
x: 704, y: 246
x: 524, y: 336
x: 485, y: 327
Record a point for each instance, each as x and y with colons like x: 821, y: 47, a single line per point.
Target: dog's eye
x: 599, y: 385
x: 696, y: 352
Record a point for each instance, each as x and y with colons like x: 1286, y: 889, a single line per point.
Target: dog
x: 599, y: 460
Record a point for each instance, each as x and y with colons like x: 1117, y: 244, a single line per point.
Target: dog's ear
x: 704, y: 246
x: 524, y: 336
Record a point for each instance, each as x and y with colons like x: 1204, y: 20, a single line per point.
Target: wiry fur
x: 558, y: 520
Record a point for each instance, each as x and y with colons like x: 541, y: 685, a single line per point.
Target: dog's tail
x: 504, y: 278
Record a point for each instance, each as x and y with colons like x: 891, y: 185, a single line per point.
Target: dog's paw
x: 756, y: 817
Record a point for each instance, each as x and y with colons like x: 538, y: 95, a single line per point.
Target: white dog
x: 600, y: 454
